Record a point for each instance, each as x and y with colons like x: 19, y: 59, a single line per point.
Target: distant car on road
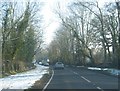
x: 59, y: 65
x: 46, y: 64
x: 40, y: 63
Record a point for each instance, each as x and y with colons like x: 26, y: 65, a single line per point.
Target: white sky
x: 51, y: 20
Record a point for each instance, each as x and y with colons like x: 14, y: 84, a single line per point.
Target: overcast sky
x: 50, y: 18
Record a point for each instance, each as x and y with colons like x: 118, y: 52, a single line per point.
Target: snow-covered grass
x: 94, y: 68
x: 112, y: 71
x: 23, y: 80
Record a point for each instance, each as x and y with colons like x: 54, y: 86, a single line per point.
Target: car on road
x: 59, y: 65
x: 46, y: 64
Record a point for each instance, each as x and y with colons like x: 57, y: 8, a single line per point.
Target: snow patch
x: 109, y: 70
x: 94, y: 68
x: 114, y: 71
x: 23, y: 80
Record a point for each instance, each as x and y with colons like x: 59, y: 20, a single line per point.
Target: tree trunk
x: 118, y: 9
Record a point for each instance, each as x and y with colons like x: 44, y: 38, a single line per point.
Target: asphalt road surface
x: 80, y: 78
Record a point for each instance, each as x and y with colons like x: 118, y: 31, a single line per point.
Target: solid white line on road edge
x: 85, y: 79
x: 48, y: 81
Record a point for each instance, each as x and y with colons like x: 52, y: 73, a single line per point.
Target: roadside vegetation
x: 21, y: 35
x: 89, y: 35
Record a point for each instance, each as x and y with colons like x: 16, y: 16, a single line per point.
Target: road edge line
x: 48, y: 81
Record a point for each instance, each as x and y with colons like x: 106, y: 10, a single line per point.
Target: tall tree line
x: 19, y: 22
x: 93, y: 34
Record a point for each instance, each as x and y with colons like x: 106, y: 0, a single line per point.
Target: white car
x: 59, y: 65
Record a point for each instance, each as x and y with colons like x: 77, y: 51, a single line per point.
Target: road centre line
x: 88, y: 81
x: 100, y: 88
x: 93, y: 84
x: 82, y: 77
x: 75, y: 73
x: 48, y: 81
x: 85, y: 79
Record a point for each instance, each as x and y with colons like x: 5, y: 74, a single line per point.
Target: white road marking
x: 100, y: 88
x: 85, y: 79
x: 75, y: 73
x: 88, y: 81
x: 48, y: 81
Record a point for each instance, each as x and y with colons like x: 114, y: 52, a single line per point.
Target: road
x: 80, y: 78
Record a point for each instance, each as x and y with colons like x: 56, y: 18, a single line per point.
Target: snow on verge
x: 109, y: 70
x: 112, y: 71
x: 23, y: 80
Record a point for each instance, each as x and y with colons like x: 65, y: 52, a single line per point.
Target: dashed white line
x: 100, y: 88
x: 85, y: 79
x: 75, y: 73
x: 88, y: 81
x: 48, y: 81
